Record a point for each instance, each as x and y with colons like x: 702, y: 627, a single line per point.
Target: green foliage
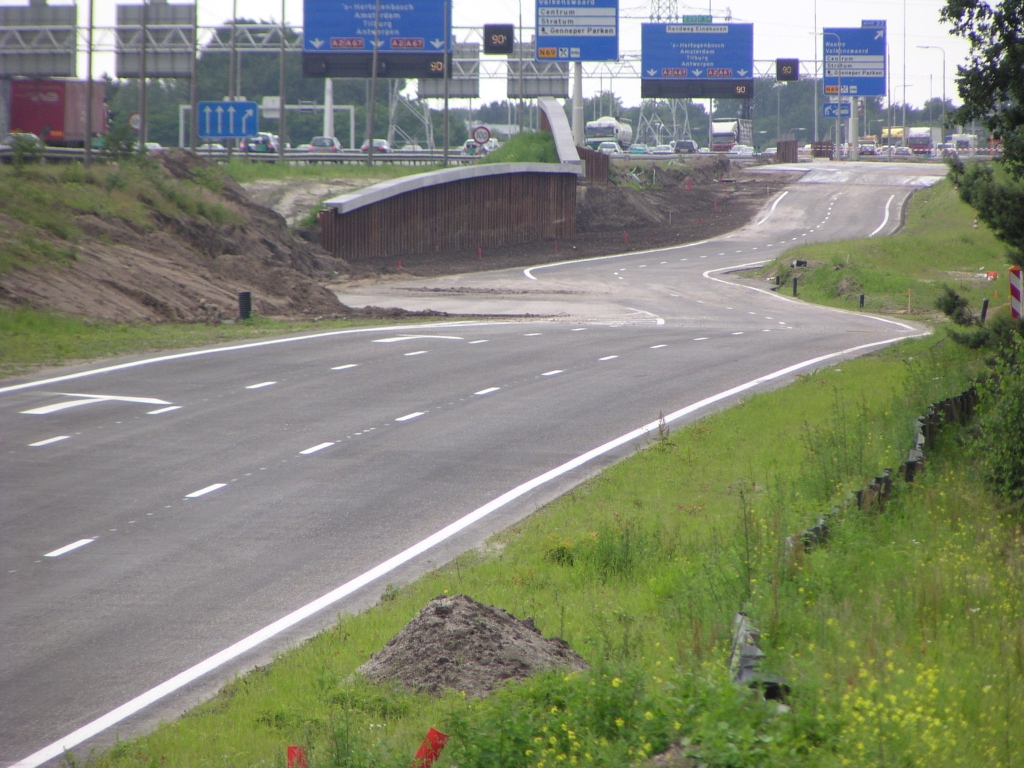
x: 1001, y: 431
x: 25, y: 150
x: 119, y: 142
x: 955, y: 307
x: 530, y: 147
x: 999, y: 201
x: 991, y: 85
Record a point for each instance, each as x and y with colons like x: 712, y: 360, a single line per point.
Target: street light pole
x: 943, y: 51
x: 839, y: 86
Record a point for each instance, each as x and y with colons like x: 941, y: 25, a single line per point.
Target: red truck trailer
x: 54, y: 110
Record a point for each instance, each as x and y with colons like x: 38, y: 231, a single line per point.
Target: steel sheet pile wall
x: 460, y: 215
x: 597, y: 165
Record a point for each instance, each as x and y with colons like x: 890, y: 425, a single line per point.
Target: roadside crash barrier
x: 746, y: 655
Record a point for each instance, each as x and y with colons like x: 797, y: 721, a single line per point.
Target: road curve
x: 171, y: 521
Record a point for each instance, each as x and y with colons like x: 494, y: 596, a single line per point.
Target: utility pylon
x: 664, y: 10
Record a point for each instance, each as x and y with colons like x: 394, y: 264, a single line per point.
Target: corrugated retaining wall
x: 453, y: 209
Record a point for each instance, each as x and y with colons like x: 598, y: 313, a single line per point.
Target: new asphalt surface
x: 168, y: 522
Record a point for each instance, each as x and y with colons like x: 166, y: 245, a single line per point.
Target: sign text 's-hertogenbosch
x: 855, y: 59
x: 578, y: 30
x: 409, y: 35
x: 697, y: 60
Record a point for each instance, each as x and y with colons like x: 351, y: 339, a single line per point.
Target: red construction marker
x: 479, y: 253
x: 297, y: 757
x: 399, y: 263
x: 430, y: 749
x: 625, y: 236
x: 716, y: 205
x: 689, y: 184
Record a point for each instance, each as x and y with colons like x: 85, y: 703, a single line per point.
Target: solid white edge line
x: 415, y: 336
x: 246, y: 644
x: 69, y: 547
x: 739, y: 267
x: 408, y: 416
x: 886, y: 219
x: 529, y: 270
x: 204, y: 491
x: 235, y: 348
x: 316, y: 448
x: 47, y: 441
x: 772, y: 209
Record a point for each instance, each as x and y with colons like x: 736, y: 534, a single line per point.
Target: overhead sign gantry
x: 702, y: 60
x: 410, y: 37
x: 571, y: 30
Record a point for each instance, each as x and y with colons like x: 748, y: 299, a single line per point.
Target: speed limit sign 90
x: 481, y: 134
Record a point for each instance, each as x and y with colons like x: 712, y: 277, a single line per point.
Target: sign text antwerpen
x: 409, y: 26
x: 577, y: 30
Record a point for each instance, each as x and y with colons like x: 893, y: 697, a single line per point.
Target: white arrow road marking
x: 69, y: 547
x: 86, y: 399
x: 256, y: 639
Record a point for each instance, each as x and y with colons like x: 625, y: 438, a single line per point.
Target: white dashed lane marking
x: 479, y: 341
x: 206, y: 490
x: 316, y: 448
x: 409, y: 416
x: 553, y: 373
x: 344, y: 367
x: 413, y: 354
x: 48, y: 440
x: 261, y: 385
x: 64, y: 550
x: 609, y: 357
x: 487, y: 391
x: 168, y: 409
x: 659, y: 346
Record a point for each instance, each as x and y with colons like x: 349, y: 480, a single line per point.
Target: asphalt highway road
x: 166, y: 510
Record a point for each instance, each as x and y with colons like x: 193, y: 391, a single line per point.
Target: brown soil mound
x: 182, y: 269
x: 456, y: 643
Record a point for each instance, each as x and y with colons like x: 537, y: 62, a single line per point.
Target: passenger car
x: 609, y: 148
x: 662, y: 149
x: 324, y: 144
x: 379, y: 145
x: 685, y: 147
x: 262, y: 143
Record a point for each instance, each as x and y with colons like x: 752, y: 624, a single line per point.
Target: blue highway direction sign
x: 410, y: 37
x: 697, y: 61
x: 570, y: 30
x: 829, y: 109
x: 855, y: 56
x: 228, y: 119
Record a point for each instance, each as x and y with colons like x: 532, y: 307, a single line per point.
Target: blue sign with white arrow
x: 697, y: 60
x: 855, y: 59
x: 570, y: 30
x: 228, y: 119
x: 830, y: 108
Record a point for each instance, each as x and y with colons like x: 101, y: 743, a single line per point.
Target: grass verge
x: 30, y: 340
x: 938, y: 245
x: 530, y: 147
x: 903, y: 641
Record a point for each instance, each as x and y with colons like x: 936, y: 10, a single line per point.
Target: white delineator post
x: 1016, y: 291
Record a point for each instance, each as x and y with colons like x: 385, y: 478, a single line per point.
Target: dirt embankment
x: 186, y: 267
x: 177, y: 267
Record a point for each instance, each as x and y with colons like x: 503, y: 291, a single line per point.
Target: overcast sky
x: 781, y: 29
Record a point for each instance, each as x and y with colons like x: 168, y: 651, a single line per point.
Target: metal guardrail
x: 291, y: 156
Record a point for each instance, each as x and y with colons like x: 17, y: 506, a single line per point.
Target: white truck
x: 607, y: 129
x: 725, y: 134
